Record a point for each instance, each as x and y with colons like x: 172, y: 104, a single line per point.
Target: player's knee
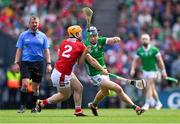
x: 119, y: 90
x: 80, y: 88
x: 65, y: 96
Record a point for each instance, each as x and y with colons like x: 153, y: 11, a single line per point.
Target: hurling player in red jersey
x: 71, y: 50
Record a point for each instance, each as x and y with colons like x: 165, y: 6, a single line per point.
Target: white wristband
x: 16, y: 62
x: 163, y: 71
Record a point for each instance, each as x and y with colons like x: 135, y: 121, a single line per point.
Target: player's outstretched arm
x: 113, y: 40
x: 96, y: 64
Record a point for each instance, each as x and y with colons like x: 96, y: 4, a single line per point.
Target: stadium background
x: 124, y: 18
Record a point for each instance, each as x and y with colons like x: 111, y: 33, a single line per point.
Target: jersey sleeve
x: 138, y: 52
x: 102, y: 40
x: 155, y: 51
x: 19, y: 43
x: 136, y: 56
x: 46, y: 43
x: 87, y: 40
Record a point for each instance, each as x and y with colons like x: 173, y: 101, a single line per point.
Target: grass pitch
x: 123, y: 116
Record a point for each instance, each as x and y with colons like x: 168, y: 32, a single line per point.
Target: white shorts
x: 97, y: 79
x: 150, y: 74
x: 56, y: 76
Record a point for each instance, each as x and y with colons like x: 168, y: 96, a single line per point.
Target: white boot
x: 158, y: 105
x: 152, y: 102
x: 146, y: 106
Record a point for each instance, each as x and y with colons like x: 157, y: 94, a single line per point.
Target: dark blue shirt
x: 32, y: 45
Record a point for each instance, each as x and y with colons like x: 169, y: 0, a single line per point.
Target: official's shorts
x: 32, y: 70
x: 97, y: 79
x: 60, y: 80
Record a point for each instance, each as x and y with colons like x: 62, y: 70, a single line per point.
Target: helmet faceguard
x: 93, y: 31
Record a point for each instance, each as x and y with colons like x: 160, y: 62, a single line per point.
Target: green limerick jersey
x: 97, y: 52
x: 148, y: 58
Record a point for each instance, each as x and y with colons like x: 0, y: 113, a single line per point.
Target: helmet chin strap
x: 75, y: 37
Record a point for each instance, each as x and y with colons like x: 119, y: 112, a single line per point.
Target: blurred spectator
x: 144, y: 17
x: 13, y: 84
x: 175, y: 71
x: 160, y: 18
x: 2, y: 85
x: 176, y: 30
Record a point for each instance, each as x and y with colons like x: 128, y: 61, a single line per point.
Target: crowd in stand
x: 55, y: 16
x: 159, y: 18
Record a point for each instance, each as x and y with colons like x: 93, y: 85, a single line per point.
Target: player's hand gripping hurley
x: 140, y: 84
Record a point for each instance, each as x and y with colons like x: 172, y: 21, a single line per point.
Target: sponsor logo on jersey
x: 27, y: 39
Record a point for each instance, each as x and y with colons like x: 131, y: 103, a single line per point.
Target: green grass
x: 105, y: 116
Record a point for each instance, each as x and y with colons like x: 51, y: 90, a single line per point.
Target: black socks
x: 24, y: 95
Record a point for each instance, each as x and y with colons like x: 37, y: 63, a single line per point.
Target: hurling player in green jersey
x: 97, y: 51
x: 74, y: 33
x: 151, y: 59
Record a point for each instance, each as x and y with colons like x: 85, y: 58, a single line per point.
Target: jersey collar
x: 72, y: 39
x: 33, y: 32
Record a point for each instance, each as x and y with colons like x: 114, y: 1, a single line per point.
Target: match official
x: 32, y: 49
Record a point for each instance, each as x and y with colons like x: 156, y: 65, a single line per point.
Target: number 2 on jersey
x: 66, y: 52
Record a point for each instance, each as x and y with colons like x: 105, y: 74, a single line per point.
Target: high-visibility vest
x: 30, y: 86
x: 13, y: 79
